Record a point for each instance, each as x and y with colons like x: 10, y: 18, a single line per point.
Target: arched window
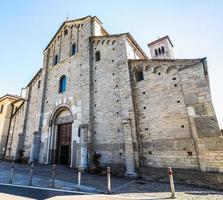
x: 159, y: 51
x: 62, y: 84
x: 39, y: 84
x: 65, y: 32
x: 97, y: 56
x: 156, y: 52
x: 56, y: 59
x: 73, y: 49
x: 163, y: 50
x: 139, y: 75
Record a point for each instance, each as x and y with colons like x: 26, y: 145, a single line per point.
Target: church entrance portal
x: 64, y: 144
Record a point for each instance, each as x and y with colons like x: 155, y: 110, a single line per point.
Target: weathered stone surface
x: 207, y: 126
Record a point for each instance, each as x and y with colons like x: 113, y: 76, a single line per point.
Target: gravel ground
x: 160, y: 191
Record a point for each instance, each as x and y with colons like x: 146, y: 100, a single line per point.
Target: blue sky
x: 195, y: 27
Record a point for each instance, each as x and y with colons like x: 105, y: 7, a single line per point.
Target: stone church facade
x: 99, y: 94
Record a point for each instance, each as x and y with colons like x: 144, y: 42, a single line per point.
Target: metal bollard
x: 172, y: 188
x: 109, y: 180
x: 31, y: 174
x: 53, y: 175
x: 11, y: 175
x: 79, y: 178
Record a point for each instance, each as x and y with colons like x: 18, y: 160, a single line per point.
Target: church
x: 100, y: 95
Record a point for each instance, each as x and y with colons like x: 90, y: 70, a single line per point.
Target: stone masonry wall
x: 163, y: 125
x: 204, y: 125
x: 16, y: 129
x: 33, y: 112
x: 112, y: 99
x: 176, y: 120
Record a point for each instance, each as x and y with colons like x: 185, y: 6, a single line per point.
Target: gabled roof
x: 11, y: 96
x: 70, y: 21
x: 160, y: 39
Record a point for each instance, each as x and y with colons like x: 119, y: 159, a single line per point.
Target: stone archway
x: 60, y: 136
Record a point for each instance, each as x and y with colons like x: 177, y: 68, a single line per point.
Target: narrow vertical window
x: 156, y: 52
x: 39, y: 83
x: 163, y: 50
x: 159, y: 51
x: 73, y: 49
x: 56, y: 59
x: 1, y: 109
x: 62, y: 84
x: 97, y: 56
x: 139, y: 76
x: 65, y: 32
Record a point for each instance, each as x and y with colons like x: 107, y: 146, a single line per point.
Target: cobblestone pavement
x: 66, y: 178
x: 160, y: 191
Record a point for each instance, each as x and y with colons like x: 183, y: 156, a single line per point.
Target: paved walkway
x: 66, y: 179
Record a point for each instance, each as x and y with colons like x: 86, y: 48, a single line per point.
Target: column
x: 84, y: 145
x: 129, y: 152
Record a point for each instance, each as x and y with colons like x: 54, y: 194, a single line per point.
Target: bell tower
x: 161, y: 48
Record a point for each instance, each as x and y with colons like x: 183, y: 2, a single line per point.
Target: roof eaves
x: 137, y: 45
x: 40, y: 70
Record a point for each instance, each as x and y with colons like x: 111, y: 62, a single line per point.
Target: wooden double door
x: 64, y: 144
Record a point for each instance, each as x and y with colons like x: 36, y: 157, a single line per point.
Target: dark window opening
x: 182, y: 126
x: 150, y: 152
x: 175, y: 85
x: 139, y: 76
x: 97, y: 56
x: 39, y: 83
x: 2, y: 107
x: 65, y: 32
x: 62, y: 84
x: 174, y: 79
x: 159, y: 73
x: 56, y: 59
x: 178, y: 101
x: 163, y: 50
x: 156, y: 52
x: 73, y: 49
x: 159, y: 51
x: 144, y: 92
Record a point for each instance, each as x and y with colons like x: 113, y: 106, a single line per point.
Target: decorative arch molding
x: 171, y: 70
x: 135, y: 68
x: 57, y: 110
x: 158, y: 69
x: 147, y: 68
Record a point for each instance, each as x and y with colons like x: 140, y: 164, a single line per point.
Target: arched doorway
x: 61, y: 136
x: 63, y: 150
